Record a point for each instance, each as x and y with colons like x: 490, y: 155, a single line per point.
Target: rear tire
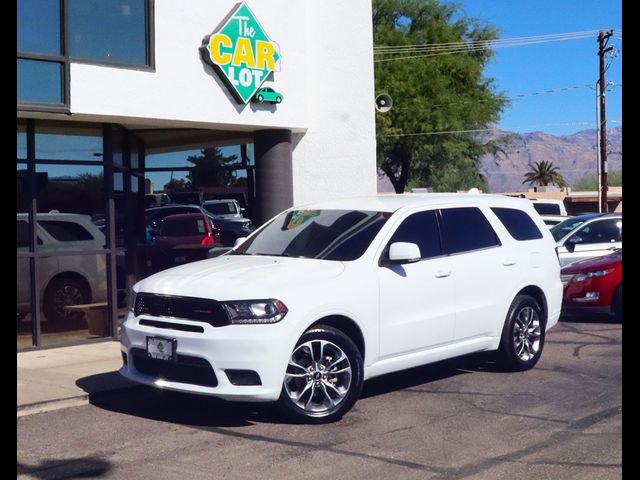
x: 324, y: 377
x: 523, y: 335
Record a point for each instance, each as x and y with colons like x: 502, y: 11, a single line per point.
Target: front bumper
x: 263, y: 349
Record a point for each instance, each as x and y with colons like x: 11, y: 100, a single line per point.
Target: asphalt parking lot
x: 452, y: 420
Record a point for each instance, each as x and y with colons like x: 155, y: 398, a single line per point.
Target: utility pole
x: 603, y: 38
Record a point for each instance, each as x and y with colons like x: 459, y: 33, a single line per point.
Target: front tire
x: 523, y: 335
x: 62, y: 292
x: 324, y: 377
x: 617, y: 304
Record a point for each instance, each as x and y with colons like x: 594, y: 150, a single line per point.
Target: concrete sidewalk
x: 67, y: 376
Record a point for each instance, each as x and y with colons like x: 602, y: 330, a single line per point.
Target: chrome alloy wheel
x: 318, y: 376
x: 526, y: 334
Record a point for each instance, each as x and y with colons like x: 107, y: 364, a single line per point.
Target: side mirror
x: 239, y: 241
x: 242, y: 209
x: 403, y: 252
x: 571, y: 243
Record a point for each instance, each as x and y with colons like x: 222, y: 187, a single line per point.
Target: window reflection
x: 60, y: 142
x: 74, y: 298
x: 39, y: 81
x: 21, y: 149
x: 113, y: 31
x: 39, y: 26
x: 75, y: 194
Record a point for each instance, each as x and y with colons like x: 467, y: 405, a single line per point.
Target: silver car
x: 586, y: 236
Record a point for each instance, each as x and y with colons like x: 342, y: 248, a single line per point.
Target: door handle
x: 443, y: 273
x: 507, y: 262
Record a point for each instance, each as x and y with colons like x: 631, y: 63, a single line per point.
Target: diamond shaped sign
x: 241, y: 53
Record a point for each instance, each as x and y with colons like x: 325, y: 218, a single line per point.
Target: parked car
x: 268, y: 94
x: 549, y: 206
x: 594, y: 284
x: 230, y: 228
x: 180, y: 239
x: 223, y: 208
x: 324, y: 296
x: 62, y: 279
x: 586, y: 236
x: 156, y: 199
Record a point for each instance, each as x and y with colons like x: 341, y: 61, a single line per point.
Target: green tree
x: 433, y: 93
x: 590, y: 182
x: 544, y: 173
x: 177, y: 185
x: 209, y: 168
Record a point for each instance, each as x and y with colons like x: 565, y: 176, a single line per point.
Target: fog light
x: 589, y: 297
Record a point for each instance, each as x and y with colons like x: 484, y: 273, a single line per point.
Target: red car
x: 183, y: 238
x: 594, y: 283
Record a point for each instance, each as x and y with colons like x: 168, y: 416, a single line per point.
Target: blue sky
x: 535, y: 68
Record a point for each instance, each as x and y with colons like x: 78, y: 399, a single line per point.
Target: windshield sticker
x: 298, y: 217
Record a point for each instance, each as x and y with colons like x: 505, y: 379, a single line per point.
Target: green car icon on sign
x: 267, y: 94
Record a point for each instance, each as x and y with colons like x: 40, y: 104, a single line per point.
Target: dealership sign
x: 241, y: 53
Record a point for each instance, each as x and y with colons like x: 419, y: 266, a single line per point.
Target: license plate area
x: 162, y: 348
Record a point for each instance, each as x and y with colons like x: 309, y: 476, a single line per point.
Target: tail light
x: 208, y: 240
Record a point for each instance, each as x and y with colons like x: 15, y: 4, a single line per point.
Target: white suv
x: 325, y: 296
x: 63, y: 279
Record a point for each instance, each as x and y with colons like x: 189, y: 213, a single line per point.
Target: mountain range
x: 574, y: 155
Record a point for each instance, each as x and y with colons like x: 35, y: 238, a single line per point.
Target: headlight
x: 131, y: 300
x: 255, y: 311
x: 581, y: 277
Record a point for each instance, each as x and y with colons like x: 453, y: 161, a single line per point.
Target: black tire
x: 520, y: 349
x: 278, y: 99
x: 338, y: 393
x: 616, y: 304
x: 63, y: 291
x: 260, y: 98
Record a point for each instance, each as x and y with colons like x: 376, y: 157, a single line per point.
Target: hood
x: 595, y: 263
x: 234, y: 277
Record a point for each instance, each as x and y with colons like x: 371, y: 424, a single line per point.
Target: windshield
x: 341, y: 235
x: 563, y: 228
x: 221, y: 208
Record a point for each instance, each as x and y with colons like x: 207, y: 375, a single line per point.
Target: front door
x: 417, y: 308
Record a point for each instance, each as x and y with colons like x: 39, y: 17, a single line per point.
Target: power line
x: 515, y: 97
x: 478, y: 130
x: 431, y: 50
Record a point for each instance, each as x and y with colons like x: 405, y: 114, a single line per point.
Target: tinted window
x: 422, y: 229
x: 466, y: 229
x: 65, y: 231
x: 223, y: 208
x: 518, y: 223
x: 108, y: 31
x: 182, y: 227
x: 324, y: 234
x: 547, y: 208
x: 563, y: 228
x: 603, y: 231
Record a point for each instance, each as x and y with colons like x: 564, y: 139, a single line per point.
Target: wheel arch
x: 70, y: 275
x: 539, y: 296
x: 347, y: 326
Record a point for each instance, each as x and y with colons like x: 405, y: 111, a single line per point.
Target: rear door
x: 417, y: 310
x: 484, y: 270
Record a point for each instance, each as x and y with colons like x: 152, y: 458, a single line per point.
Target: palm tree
x: 543, y: 173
